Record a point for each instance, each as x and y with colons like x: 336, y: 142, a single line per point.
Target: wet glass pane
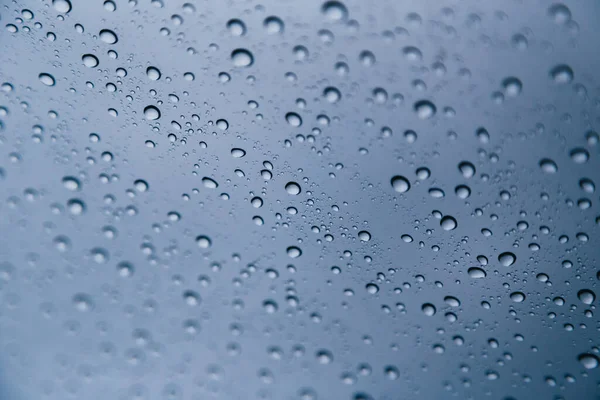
x: 299, y: 200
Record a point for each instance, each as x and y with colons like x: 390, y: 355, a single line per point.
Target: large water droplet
x: 428, y: 309
x: 334, y: 11
x: 400, y: 184
x: 562, y: 73
x: 294, y: 252
x: 517, y: 297
x: 589, y: 361
x: 209, y: 183
x: 507, y: 259
x: 467, y: 169
x: 273, y: 25
x: 151, y: 113
x: 548, y: 166
x: 293, y: 119
x: 293, y: 188
x: 242, y: 58
x: 476, y: 273
x: 364, y: 236
x: 47, y: 79
x: 153, y: 73
x: 586, y: 296
x: 90, y: 60
x: 425, y: 109
x: 332, y: 94
x: 448, y: 223
x: 579, y: 155
x: 62, y: 6
x: 203, y: 242
x: 108, y: 36
x: 512, y: 86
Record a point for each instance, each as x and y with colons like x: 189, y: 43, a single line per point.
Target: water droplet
x: 151, y: 113
x: 222, y: 124
x: 548, y: 166
x: 400, y: 184
x: 90, y: 60
x: 589, y: 361
x: 294, y: 252
x: 332, y: 94
x: 512, y: 86
x: 191, y: 298
x: 559, y: 13
x: 273, y: 25
x: 108, y: 36
x: 586, y: 296
x: 364, y: 236
x: 562, y: 74
x: 125, y: 269
x: 507, y: 259
x: 448, y: 223
x: 425, y: 109
x: 47, y: 79
x: 237, y: 152
x: 153, y: 73
x: 517, y: 297
x: 324, y: 357
x: 203, y: 242
x: 587, y: 185
x: 452, y: 301
x: 242, y: 58
x: 293, y: 119
x: 209, y: 183
x: 372, y: 288
x: 76, y: 206
x: 62, y: 6
x: 477, y: 273
x: 467, y: 169
x: 579, y: 155
x: 270, y: 306
x: 293, y: 188
x: 236, y: 27
x: 428, y: 309
x: 83, y: 302
x: 366, y: 58
x: 71, y: 183
x: 334, y: 11
x: 462, y: 191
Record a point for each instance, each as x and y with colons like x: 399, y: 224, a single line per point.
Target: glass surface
x: 299, y: 200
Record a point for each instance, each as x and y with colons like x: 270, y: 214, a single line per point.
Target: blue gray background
x: 126, y: 274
